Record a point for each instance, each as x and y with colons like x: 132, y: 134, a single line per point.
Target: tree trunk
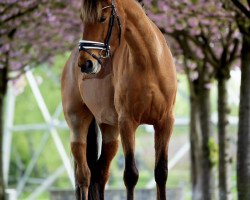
x: 225, y: 158
x: 3, y: 87
x: 208, y: 170
x: 195, y: 150
x: 195, y: 137
x: 243, y: 154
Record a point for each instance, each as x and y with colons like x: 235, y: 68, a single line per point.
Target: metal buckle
x: 106, y: 55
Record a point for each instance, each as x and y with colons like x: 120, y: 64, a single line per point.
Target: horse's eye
x: 102, y: 19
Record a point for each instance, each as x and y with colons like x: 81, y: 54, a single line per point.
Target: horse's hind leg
x: 163, y: 131
x: 100, y: 175
x: 127, y: 130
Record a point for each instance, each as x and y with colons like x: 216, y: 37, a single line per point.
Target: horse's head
x: 101, y: 35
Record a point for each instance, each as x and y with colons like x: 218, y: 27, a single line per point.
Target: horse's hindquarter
x: 98, y: 95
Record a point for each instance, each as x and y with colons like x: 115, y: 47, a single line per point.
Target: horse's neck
x: 141, y: 35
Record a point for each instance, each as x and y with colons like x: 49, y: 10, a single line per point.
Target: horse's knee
x: 82, y: 171
x: 131, y: 174
x: 161, y: 171
x: 109, y: 151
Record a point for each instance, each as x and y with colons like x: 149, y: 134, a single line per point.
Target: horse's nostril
x: 86, y: 67
x: 89, y: 64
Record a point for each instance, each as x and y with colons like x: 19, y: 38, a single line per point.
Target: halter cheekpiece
x: 87, y: 46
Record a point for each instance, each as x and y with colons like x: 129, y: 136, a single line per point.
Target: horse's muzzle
x: 90, y: 67
x: 87, y: 67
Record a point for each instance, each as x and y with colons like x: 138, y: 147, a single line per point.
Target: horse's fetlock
x: 83, y: 176
x: 161, y: 172
x: 83, y: 181
x: 131, y: 176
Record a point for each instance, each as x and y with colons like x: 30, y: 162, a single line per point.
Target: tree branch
x: 187, y: 70
x: 208, y: 51
x: 6, y: 9
x: 242, y: 8
x: 21, y: 13
x: 233, y: 53
x: 183, y: 43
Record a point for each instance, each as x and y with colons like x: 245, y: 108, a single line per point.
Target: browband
x: 86, y: 44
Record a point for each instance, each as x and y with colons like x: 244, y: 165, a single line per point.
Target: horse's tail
x: 92, y: 157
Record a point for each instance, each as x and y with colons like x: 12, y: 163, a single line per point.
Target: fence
x: 120, y: 194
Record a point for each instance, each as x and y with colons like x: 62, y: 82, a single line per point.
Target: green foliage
x: 214, y: 151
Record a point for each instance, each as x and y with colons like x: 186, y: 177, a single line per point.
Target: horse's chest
x: 98, y: 95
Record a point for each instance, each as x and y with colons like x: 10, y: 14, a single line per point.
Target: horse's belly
x: 98, y: 95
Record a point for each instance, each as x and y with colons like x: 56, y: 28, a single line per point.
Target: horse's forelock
x: 91, y: 10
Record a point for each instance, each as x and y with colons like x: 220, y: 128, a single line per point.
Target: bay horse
x: 121, y: 75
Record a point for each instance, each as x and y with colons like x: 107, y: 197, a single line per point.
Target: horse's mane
x: 141, y: 3
x: 91, y: 10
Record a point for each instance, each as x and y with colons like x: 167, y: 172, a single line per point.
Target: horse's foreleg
x: 79, y: 126
x: 100, y: 172
x: 131, y: 175
x: 82, y: 171
x: 77, y: 188
x: 163, y: 132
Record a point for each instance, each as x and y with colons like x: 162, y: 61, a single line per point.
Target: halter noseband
x: 87, y: 46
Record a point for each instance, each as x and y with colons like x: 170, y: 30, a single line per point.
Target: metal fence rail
x: 120, y: 194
